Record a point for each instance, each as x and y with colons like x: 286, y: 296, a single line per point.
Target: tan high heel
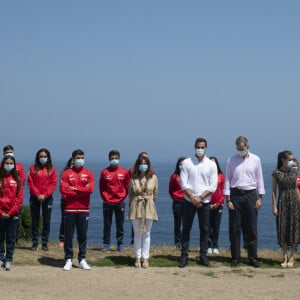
x: 145, y: 263
x: 284, y: 264
x: 290, y: 264
x: 137, y: 263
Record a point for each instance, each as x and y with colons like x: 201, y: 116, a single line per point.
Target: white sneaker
x: 68, y: 265
x: 216, y: 251
x: 8, y: 265
x: 83, y: 265
x: 209, y: 251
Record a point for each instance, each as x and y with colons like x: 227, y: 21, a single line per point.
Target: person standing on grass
x: 113, y: 187
x: 216, y: 210
x: 244, y: 187
x: 76, y: 187
x: 142, y: 194
x: 61, y: 236
x: 11, y: 199
x: 177, y: 196
x: 199, y: 178
x: 287, y: 208
x: 42, y: 179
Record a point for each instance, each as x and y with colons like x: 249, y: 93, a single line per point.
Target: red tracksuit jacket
x: 218, y: 197
x: 42, y: 182
x: 175, y: 189
x: 77, y: 201
x: 113, y: 185
x: 10, y: 202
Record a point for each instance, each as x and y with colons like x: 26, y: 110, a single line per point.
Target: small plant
x: 25, y: 223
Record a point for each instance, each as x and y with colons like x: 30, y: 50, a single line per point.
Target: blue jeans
x: 177, y: 208
x: 35, y: 206
x: 8, y: 228
x: 108, y: 211
x: 189, y: 211
x: 80, y: 222
x: 215, y: 216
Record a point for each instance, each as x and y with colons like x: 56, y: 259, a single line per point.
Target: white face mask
x: 79, y: 163
x: 290, y: 163
x: 200, y: 152
x: 9, y: 154
x: 242, y: 153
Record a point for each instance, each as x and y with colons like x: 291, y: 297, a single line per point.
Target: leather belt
x: 240, y: 191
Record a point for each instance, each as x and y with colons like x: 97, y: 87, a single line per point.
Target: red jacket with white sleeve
x: 11, y: 200
x: 218, y: 197
x: 175, y: 189
x: 76, y: 187
x: 113, y: 185
x: 42, y: 182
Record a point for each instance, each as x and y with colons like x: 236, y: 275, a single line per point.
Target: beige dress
x: 142, y: 197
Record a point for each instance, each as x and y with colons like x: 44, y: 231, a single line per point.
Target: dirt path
x: 46, y: 282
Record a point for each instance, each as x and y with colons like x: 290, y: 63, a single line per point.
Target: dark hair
x: 77, y: 152
x: 113, y: 152
x: 179, y: 160
x: 143, y: 154
x: 13, y: 172
x: 200, y: 140
x: 241, y: 140
x: 8, y: 147
x: 217, y: 163
x: 295, y: 161
x: 282, y: 155
x: 68, y: 164
x: 136, y: 172
x: 38, y: 165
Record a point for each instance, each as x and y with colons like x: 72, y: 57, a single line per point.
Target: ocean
x: 162, y: 230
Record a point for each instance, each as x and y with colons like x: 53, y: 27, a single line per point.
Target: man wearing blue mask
x: 199, y: 179
x: 113, y: 186
x: 244, y: 187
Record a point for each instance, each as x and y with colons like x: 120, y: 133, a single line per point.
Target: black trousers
x: 35, y: 207
x: 244, y: 213
x: 80, y: 222
x: 108, y: 211
x: 8, y: 229
x: 189, y: 211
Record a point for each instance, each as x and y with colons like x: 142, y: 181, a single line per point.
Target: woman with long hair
x: 177, y: 194
x: 287, y: 208
x: 142, y: 193
x: 42, y: 179
x: 11, y: 199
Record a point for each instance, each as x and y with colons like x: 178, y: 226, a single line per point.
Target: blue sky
x: 149, y: 76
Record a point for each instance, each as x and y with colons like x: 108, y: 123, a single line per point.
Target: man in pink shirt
x: 244, y: 187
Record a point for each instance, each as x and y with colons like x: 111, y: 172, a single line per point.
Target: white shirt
x: 199, y: 176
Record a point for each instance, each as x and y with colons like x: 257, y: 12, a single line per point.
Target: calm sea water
x: 162, y: 231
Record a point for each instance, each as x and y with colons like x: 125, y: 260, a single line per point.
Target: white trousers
x: 141, y: 240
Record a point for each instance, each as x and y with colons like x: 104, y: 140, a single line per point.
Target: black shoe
x: 45, y: 247
x: 34, y: 247
x: 183, y: 262
x: 254, y: 262
x: 234, y: 263
x: 204, y: 261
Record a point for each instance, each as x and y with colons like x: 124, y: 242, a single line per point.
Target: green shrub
x: 25, y: 223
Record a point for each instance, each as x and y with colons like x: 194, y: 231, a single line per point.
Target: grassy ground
x: 162, y: 256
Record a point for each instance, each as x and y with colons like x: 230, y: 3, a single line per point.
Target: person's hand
x: 230, y: 205
x: 41, y: 198
x: 214, y: 206
x: 275, y: 211
x: 196, y: 201
x: 258, y: 203
x: 73, y: 188
x: 4, y: 216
